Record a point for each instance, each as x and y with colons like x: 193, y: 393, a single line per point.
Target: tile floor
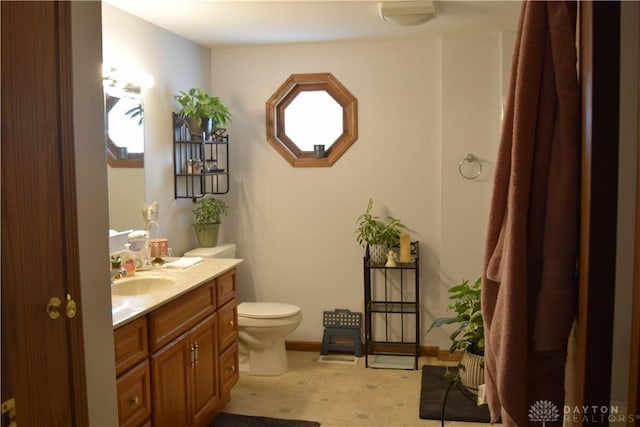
x: 336, y: 394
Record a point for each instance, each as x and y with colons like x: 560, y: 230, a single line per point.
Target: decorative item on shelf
x: 405, y: 248
x: 207, y: 218
x: 318, y: 151
x: 469, y: 336
x: 391, y: 259
x: 376, y: 235
x: 203, y: 113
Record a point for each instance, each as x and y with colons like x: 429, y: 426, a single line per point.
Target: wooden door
x: 42, y: 358
x: 205, y: 391
x: 170, y: 383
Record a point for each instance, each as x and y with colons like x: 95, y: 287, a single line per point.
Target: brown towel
x: 529, y: 281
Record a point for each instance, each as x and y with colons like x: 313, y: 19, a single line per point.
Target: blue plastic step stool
x: 341, y: 323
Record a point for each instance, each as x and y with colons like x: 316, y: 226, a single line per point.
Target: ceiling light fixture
x: 407, y: 13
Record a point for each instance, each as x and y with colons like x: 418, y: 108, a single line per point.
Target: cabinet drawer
x: 227, y: 325
x: 175, y: 318
x: 226, y: 287
x: 229, y: 368
x: 134, y: 399
x: 130, y: 344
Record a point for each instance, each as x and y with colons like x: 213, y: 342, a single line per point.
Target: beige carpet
x: 335, y: 394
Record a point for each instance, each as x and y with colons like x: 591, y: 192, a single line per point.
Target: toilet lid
x: 266, y: 310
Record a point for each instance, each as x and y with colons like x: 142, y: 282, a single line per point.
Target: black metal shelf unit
x: 392, y: 309
x: 201, y: 166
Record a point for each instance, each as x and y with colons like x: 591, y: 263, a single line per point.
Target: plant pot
x: 207, y: 234
x: 472, y: 371
x: 377, y: 253
x: 196, y: 131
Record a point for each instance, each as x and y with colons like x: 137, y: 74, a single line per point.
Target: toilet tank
x: 223, y: 250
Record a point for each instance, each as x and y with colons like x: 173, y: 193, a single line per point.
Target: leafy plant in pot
x: 377, y: 235
x: 202, y: 112
x: 469, y: 336
x: 207, y: 217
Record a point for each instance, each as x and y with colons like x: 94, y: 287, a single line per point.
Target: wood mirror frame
x: 286, y: 93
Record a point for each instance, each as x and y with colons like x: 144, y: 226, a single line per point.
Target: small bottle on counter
x: 128, y: 261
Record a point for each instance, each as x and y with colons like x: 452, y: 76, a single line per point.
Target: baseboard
x: 428, y: 351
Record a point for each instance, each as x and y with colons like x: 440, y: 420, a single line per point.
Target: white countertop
x: 126, y: 308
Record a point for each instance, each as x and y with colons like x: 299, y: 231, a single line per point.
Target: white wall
x: 422, y: 106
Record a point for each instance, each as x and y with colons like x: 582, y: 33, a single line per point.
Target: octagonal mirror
x: 311, y: 110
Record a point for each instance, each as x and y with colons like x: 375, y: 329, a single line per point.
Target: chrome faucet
x: 117, y: 273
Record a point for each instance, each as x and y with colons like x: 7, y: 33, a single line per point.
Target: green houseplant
x: 203, y: 112
x: 207, y: 217
x: 469, y: 334
x: 377, y: 234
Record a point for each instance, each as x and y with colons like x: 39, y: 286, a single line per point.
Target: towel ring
x: 471, y: 159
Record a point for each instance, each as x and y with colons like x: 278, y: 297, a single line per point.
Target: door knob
x: 72, y: 308
x: 53, y: 308
x: 54, y: 304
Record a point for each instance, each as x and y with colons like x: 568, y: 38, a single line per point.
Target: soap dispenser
x: 128, y: 261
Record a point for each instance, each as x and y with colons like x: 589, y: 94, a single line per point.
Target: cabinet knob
x: 134, y: 400
x: 231, y: 323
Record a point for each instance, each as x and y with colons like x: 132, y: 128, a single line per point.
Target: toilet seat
x: 266, y: 310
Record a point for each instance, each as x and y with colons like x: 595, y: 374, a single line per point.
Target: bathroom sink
x: 141, y: 285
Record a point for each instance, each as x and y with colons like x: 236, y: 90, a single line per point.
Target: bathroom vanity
x: 176, y: 344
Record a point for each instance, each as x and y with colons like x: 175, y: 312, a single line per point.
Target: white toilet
x: 262, y: 326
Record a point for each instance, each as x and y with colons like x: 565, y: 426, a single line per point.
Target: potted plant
x: 207, y: 217
x: 377, y: 235
x: 469, y: 336
x: 202, y: 112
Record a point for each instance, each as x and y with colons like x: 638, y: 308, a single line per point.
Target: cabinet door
x: 226, y: 287
x: 227, y: 325
x: 171, y: 369
x: 229, y: 369
x: 205, y: 390
x: 134, y: 400
x: 130, y: 343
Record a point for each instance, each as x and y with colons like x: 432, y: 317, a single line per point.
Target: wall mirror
x: 124, y: 119
x: 124, y: 122
x: 309, y: 110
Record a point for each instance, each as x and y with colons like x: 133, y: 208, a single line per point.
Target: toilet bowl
x: 262, y: 328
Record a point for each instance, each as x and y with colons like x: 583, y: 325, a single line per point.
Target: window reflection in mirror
x: 124, y: 121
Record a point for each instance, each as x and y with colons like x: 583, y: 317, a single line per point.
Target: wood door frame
x: 599, y: 73
x: 633, y: 398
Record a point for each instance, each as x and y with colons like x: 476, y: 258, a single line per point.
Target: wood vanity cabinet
x: 192, y: 357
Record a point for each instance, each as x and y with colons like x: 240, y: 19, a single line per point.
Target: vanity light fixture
x: 407, y: 13
x: 123, y: 77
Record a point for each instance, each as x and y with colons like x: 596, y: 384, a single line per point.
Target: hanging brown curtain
x: 529, y: 279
